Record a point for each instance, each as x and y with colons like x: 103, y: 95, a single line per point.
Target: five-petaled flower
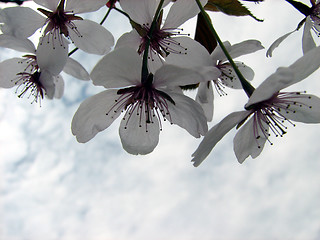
x: 37, y: 73
x: 167, y: 38
x: 145, y: 103
x: 267, y: 111
x: 60, y: 21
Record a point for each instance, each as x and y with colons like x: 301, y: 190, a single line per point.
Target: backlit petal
x: 47, y: 81
x: 91, y: 37
x: 18, y: 44
x: 137, y: 136
x: 306, y: 65
x: 245, y: 47
x: 59, y: 86
x: 49, y: 4
x: 245, y: 143
x: 205, y: 98
x: 187, y: 114
x: 173, y: 76
x: 75, y: 69
x: 140, y: 11
x: 273, y: 84
x: 83, y: 6
x: 306, y: 109
x: 276, y: 43
x: 307, y: 39
x: 20, y: 22
x: 196, y: 55
x: 215, y: 134
x: 8, y: 71
x: 91, y: 118
x: 52, y: 54
x: 180, y: 12
x: 131, y: 39
x: 120, y: 68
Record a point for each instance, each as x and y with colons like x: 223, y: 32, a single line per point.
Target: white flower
x: 144, y: 105
x: 167, y: 38
x: 267, y: 112
x: 310, y: 22
x: 37, y: 73
x: 60, y: 22
x: 216, y: 68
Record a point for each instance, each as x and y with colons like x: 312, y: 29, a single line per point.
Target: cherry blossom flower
x: 167, y: 37
x: 310, y: 22
x: 268, y: 111
x: 34, y: 74
x: 60, y: 21
x: 217, y: 69
x: 145, y: 105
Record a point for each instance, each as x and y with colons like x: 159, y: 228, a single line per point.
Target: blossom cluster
x: 146, y: 70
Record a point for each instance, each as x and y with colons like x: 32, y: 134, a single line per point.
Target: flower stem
x: 247, y: 87
x: 145, y: 71
x: 102, y: 21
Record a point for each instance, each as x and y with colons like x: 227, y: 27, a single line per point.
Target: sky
x: 54, y: 188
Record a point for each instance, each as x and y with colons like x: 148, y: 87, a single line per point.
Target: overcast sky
x: 54, y: 188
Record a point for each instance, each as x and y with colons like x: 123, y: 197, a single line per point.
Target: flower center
x: 144, y: 102
x: 60, y: 22
x: 29, y: 80
x: 272, y: 114
x: 315, y: 17
x: 161, y: 42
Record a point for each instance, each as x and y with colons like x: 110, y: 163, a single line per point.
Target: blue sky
x: 54, y: 188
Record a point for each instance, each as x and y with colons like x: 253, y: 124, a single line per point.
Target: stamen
x: 143, y: 101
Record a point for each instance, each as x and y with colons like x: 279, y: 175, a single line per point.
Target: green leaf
x: 203, y: 34
x: 229, y: 7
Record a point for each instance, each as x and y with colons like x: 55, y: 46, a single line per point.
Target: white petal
x: 52, y: 54
x: 120, y: 68
x: 75, y: 69
x: 172, y: 76
x: 187, y: 114
x: 215, y: 134
x: 196, y: 55
x: 245, y: 143
x: 20, y: 22
x: 245, y: 47
x: 140, y: 11
x: 306, y: 109
x: 47, y: 81
x: 276, y: 43
x: 180, y: 12
x: 205, y: 98
x: 131, y: 39
x: 8, y: 71
x: 59, y: 86
x: 91, y: 117
x: 306, y: 65
x: 137, y: 136
x: 285, y: 77
x: 208, y: 73
x: 91, y: 37
x: 49, y: 4
x: 22, y: 45
x: 230, y: 79
x: 273, y: 84
x: 218, y: 54
x: 83, y: 6
x: 307, y: 39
